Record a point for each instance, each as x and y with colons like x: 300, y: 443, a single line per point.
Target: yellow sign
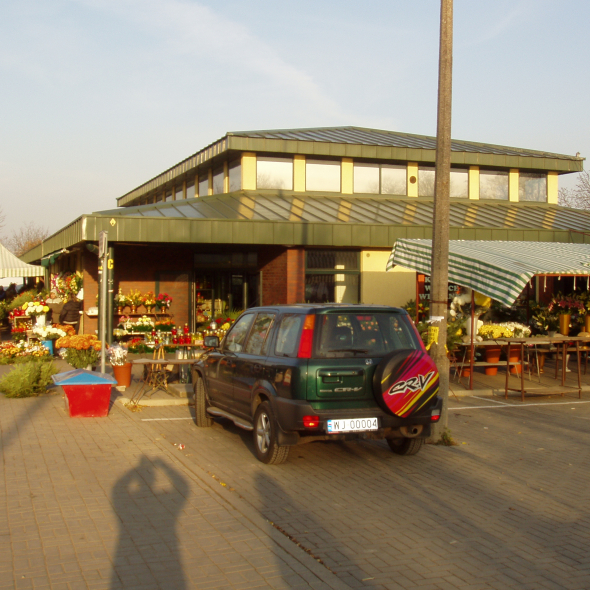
x: 432, y: 336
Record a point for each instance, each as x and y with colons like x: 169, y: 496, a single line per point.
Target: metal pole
x: 103, y: 305
x: 440, y: 230
x: 110, y: 293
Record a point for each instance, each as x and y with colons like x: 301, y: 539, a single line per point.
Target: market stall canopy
x: 499, y: 270
x: 11, y: 266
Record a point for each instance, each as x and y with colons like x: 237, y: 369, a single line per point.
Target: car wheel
x: 201, y: 417
x: 405, y: 381
x: 405, y: 446
x: 265, y: 437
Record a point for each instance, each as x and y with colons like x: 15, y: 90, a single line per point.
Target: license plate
x: 353, y: 425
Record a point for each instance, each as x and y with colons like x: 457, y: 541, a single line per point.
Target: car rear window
x: 342, y: 335
x: 288, y: 335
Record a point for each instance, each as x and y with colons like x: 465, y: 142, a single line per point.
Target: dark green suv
x: 300, y: 373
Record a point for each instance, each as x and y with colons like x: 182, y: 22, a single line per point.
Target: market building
x: 285, y: 216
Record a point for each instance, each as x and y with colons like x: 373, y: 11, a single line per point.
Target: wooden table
x: 562, y: 345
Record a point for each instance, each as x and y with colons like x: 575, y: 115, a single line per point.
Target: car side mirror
x: 211, y: 342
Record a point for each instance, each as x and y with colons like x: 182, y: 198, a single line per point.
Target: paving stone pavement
x: 507, y: 507
x: 107, y: 503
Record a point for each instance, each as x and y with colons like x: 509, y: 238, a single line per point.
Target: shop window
x: 190, y: 189
x: 203, y: 184
x: 366, y: 178
x: 493, y: 185
x: 426, y: 181
x: 322, y: 175
x: 235, y: 176
x: 394, y: 180
x: 275, y: 173
x: 532, y: 187
x: 459, y: 184
x: 218, y: 180
x: 332, y: 276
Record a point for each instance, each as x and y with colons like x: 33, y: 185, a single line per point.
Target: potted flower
x: 149, y: 300
x: 492, y: 351
x: 18, y: 333
x: 47, y: 335
x: 121, y: 368
x: 120, y: 301
x: 81, y: 351
x: 134, y: 299
x: 565, y: 306
x: 36, y: 309
x: 163, y: 302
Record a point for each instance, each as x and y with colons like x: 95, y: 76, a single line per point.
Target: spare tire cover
x: 404, y: 381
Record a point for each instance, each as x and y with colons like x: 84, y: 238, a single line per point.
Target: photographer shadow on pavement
x: 147, y: 501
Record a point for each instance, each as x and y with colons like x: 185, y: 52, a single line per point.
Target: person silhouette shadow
x: 147, y: 553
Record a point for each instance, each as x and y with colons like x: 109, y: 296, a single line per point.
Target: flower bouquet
x: 117, y: 355
x: 80, y: 351
x: 120, y: 301
x: 566, y: 304
x: 163, y: 301
x: 35, y: 308
x: 134, y: 299
x: 48, y: 332
x: 494, y: 331
x: 66, y: 284
x: 143, y: 324
x: 518, y: 330
x: 149, y: 300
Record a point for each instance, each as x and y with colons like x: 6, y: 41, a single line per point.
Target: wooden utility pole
x: 440, y: 225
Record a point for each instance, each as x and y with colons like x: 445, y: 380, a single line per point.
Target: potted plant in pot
x: 81, y: 351
x: 134, y: 300
x: 490, y: 332
x: 121, y: 367
x: 565, y: 306
x: 149, y: 301
x: 47, y: 335
x: 36, y: 309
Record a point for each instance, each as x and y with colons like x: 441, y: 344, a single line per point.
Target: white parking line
x: 164, y: 419
x: 525, y: 405
x: 493, y: 400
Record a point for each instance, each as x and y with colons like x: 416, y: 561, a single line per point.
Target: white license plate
x: 353, y: 425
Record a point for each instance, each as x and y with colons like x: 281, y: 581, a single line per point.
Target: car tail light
x: 311, y: 421
x: 306, y: 342
x: 435, y: 415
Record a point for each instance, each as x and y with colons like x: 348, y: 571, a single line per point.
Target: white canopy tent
x: 11, y: 266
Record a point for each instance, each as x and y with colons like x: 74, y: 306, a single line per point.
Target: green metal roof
x: 360, y: 143
x: 499, y: 270
x: 326, y: 220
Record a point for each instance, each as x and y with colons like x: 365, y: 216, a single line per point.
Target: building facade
x: 286, y: 216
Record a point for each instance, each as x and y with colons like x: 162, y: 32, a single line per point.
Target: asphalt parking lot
x: 506, y: 507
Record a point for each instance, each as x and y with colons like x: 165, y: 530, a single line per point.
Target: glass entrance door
x: 215, y: 294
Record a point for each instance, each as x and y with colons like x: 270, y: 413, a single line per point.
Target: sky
x: 98, y: 96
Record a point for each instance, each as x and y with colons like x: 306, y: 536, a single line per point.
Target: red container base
x: 89, y: 401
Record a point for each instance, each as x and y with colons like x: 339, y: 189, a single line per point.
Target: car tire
x: 201, y: 417
x: 405, y: 446
x: 265, y: 437
x: 405, y: 381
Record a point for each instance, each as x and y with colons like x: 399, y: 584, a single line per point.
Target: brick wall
x: 283, y: 275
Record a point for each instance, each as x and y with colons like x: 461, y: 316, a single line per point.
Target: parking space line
x: 525, y: 405
x: 164, y: 419
x: 492, y: 400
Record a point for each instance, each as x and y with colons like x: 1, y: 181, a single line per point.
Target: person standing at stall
x: 70, y: 313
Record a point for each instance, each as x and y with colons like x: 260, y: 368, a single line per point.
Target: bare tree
x: 27, y: 237
x: 579, y: 196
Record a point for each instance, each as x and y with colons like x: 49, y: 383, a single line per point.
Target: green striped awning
x: 499, y: 270
x: 11, y: 266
